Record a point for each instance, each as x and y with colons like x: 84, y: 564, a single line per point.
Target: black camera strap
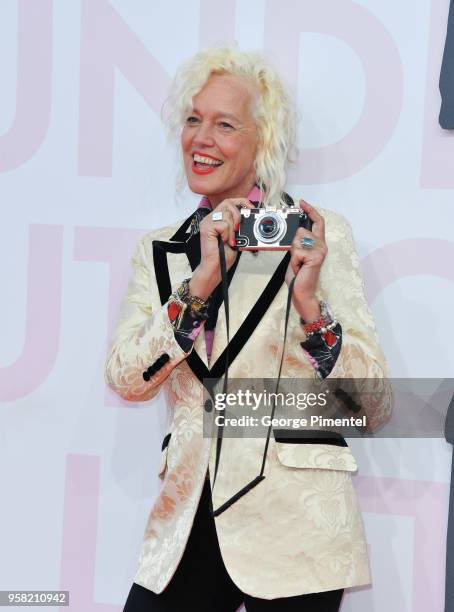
x: 220, y: 429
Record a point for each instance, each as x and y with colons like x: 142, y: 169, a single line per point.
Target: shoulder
x: 145, y: 242
x: 333, y: 219
x: 337, y: 226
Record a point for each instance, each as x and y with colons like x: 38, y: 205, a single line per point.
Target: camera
x: 270, y: 228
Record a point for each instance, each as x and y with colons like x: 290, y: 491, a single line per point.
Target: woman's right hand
x: 207, y: 275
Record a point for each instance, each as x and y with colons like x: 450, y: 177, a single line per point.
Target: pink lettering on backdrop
x: 115, y: 247
x: 427, y: 502
x: 285, y: 21
x: 107, y: 43
x: 403, y: 258
x: 80, y: 528
x: 34, y: 84
x: 437, y: 162
x: 42, y: 324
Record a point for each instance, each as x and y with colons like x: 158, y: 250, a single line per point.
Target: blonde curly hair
x: 274, y: 112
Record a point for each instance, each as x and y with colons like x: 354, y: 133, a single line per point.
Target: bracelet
x: 185, y: 310
x: 323, y: 325
x: 183, y: 294
x: 327, y: 334
x: 315, y: 325
x: 325, y: 313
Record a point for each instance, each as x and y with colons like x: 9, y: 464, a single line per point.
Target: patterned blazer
x: 300, y: 530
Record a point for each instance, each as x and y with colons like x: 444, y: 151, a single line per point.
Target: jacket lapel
x: 255, y: 284
x: 175, y: 260
x: 253, y: 287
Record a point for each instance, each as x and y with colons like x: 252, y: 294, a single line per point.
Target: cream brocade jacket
x: 300, y: 530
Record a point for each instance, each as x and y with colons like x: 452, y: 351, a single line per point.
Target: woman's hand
x: 305, y: 264
x: 207, y: 275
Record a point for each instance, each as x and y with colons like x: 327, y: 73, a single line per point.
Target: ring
x: 307, y: 243
x: 217, y: 216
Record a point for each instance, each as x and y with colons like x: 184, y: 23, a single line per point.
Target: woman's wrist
x: 187, y: 314
x: 203, y: 283
x: 323, y: 340
x: 308, y: 307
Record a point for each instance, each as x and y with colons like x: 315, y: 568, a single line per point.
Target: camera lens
x: 268, y: 227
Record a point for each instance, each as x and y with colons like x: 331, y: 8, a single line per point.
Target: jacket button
x: 160, y: 361
x: 157, y: 365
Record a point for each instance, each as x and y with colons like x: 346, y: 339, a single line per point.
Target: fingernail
x: 237, y: 226
x: 233, y: 242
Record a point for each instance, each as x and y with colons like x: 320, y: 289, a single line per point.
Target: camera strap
x: 220, y: 429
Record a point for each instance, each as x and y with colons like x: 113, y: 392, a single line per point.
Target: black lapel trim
x: 181, y: 234
x: 192, y: 248
x: 161, y: 267
x: 254, y: 317
x: 289, y: 436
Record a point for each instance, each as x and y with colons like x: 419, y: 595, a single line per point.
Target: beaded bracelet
x: 325, y: 332
x: 315, y: 325
x: 323, y: 325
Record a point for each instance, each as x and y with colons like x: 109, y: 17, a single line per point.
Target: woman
x: 295, y: 540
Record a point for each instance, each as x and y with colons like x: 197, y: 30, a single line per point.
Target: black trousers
x: 201, y: 582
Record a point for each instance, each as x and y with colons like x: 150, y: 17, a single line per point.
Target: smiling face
x: 219, y: 139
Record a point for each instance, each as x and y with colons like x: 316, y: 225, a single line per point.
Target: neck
x: 216, y: 199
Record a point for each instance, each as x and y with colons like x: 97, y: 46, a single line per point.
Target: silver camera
x: 270, y: 228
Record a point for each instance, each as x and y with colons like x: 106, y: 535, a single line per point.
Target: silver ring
x: 217, y: 216
x: 307, y: 242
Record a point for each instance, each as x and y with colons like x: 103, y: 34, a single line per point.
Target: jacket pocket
x: 325, y: 450
x: 164, y: 451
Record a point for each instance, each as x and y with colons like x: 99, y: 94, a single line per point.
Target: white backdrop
x: 85, y: 170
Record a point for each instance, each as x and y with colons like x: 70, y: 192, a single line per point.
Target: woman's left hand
x: 305, y: 264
